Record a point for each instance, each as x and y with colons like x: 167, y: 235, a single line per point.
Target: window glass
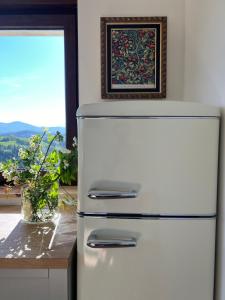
x: 32, y: 86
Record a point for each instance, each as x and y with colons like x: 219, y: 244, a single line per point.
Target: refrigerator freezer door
x: 171, y: 260
x: 151, y: 166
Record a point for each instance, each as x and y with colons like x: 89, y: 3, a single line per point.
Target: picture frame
x: 133, y: 57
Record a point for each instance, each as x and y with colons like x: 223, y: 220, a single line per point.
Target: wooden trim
x: 36, y: 9
x: 37, y: 2
x: 71, y: 82
x: 15, y: 192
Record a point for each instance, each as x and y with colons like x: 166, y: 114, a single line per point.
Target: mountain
x: 21, y: 129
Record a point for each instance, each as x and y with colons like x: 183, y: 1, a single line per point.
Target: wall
x: 89, y: 13
x: 205, y: 43
x: 204, y: 82
x: 196, y: 65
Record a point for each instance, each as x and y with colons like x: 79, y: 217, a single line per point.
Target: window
x: 32, y: 86
x: 52, y: 19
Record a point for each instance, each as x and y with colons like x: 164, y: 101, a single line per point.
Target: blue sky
x: 32, y: 87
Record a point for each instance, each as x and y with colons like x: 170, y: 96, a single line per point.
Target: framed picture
x: 133, y: 57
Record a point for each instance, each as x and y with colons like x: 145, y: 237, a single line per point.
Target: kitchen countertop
x: 48, y: 245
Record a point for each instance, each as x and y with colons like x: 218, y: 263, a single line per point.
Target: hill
x: 15, y: 135
x: 21, y: 129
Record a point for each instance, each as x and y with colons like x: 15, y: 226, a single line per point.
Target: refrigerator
x: 147, y: 193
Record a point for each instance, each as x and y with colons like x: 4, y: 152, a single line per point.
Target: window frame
x: 47, y: 18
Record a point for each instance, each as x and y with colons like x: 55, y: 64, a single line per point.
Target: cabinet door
x: 35, y: 284
x: 169, y: 259
x: 24, y: 284
x: 171, y: 164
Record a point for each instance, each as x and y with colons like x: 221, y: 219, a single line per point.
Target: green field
x: 9, y: 146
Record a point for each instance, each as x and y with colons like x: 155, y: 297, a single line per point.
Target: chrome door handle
x: 94, y: 242
x: 105, y: 194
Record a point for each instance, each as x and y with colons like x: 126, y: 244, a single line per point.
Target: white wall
x: 89, y: 13
x: 195, y: 63
x: 204, y: 51
x: 205, y: 82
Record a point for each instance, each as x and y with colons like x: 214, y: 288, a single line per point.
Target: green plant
x: 39, y: 168
x: 68, y: 164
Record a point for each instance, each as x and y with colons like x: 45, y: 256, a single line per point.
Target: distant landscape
x: 14, y: 135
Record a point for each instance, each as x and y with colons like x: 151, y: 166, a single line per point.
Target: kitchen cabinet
x: 37, y: 262
x: 35, y: 284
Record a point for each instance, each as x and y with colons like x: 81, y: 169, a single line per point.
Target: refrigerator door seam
x: 148, y: 117
x: 144, y: 216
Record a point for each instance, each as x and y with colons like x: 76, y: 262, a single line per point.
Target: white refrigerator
x: 147, y: 190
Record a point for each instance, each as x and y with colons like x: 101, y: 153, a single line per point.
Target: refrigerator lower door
x: 143, y: 259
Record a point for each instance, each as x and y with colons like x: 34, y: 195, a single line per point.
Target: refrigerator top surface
x: 143, y: 108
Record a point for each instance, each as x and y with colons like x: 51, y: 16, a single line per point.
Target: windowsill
x: 10, y: 196
x: 13, y: 196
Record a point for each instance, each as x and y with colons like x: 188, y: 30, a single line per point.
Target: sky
x: 32, y: 87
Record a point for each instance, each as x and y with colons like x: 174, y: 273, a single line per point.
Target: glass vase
x: 38, y: 206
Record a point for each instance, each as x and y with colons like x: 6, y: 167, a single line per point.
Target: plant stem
x: 38, y: 145
x: 46, y: 153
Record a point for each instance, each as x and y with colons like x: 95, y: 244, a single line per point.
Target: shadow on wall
x: 220, y: 257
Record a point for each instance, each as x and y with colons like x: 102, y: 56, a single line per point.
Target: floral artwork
x: 133, y: 57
